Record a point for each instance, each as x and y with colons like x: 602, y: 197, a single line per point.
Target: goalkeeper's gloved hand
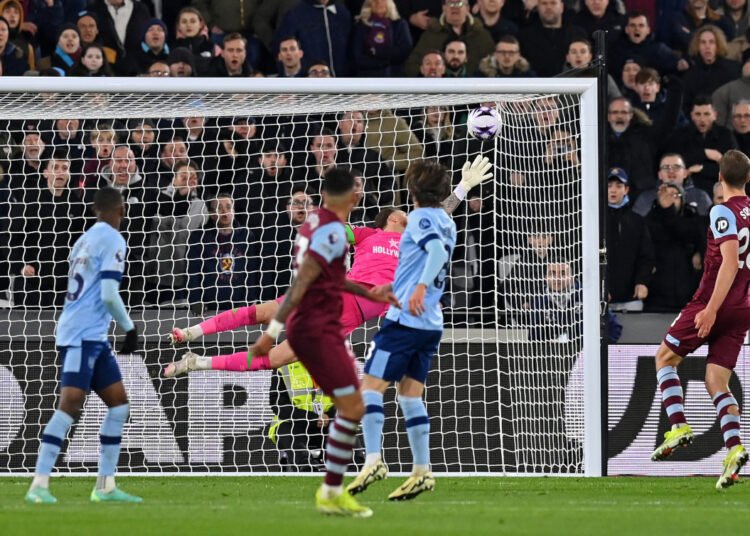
x: 130, y: 344
x: 475, y: 172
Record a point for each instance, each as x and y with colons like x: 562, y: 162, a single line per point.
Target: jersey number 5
x: 77, y: 280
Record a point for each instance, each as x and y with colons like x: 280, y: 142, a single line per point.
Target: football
x: 484, y: 123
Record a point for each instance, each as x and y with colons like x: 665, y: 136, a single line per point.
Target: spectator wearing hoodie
x: 153, y: 45
x: 12, y: 62
x: 323, y: 28
x: 12, y: 11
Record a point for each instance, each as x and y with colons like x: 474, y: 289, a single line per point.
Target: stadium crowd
x: 213, y: 203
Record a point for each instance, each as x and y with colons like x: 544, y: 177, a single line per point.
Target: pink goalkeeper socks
x: 229, y: 320
x: 238, y: 362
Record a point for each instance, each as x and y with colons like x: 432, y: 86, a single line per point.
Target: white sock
x: 40, y: 481
x: 419, y: 470
x: 203, y: 362
x: 105, y: 484
x: 372, y: 459
x: 331, y: 492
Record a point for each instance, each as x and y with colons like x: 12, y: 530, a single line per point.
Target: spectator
x: 630, y: 253
x: 143, y: 144
x: 490, y: 13
x: 711, y: 69
x: 102, y: 139
x: 732, y: 92
x: 696, y: 14
x: 367, y: 207
x: 43, y: 229
x: 435, y: 130
x: 322, y: 159
x: 180, y: 212
x: 222, y: 267
x: 455, y: 23
x: 506, y: 61
x: 737, y: 15
x: 140, y: 209
x: 68, y: 49
x: 88, y: 27
x: 173, y: 153
x: 26, y: 170
x: 67, y: 136
x: 544, y: 41
x: 262, y: 197
x: 121, y: 25
x: 702, y: 143
x: 672, y: 169
x: 630, y: 70
x: 92, y: 62
x: 228, y: 16
x: 741, y: 125
x: 381, y: 41
x: 6, y: 199
x: 268, y: 18
x: 12, y: 11
x: 158, y: 68
x: 636, y: 43
x: 192, y: 33
x: 12, y: 62
x: 290, y: 57
x: 319, y: 69
x: 233, y: 59
x: 43, y: 19
x: 181, y: 63
x: 580, y: 56
x: 433, y: 65
x: 277, y: 243
x: 419, y: 13
x: 651, y: 99
x: 153, y: 45
x: 323, y: 28
x: 600, y: 15
x: 632, y: 144
x: 351, y: 152
x: 718, y: 196
x: 677, y: 234
x: 557, y: 315
x: 390, y: 136
x: 456, y: 55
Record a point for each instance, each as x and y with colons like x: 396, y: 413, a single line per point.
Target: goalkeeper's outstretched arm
x: 472, y: 174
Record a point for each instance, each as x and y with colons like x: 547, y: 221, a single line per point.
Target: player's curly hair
x: 734, y: 167
x: 381, y: 220
x: 428, y: 182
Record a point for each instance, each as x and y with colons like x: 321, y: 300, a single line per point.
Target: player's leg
x: 237, y: 362
x: 672, y: 398
x: 107, y: 383
x: 75, y: 381
x: 722, y: 358
x: 227, y: 321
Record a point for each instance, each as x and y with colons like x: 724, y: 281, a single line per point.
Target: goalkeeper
x: 375, y: 261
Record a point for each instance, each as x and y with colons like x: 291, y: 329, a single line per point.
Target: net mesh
x: 499, y: 395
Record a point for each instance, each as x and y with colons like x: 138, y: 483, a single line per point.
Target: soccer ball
x: 484, y: 123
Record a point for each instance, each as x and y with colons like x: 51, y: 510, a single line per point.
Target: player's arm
x: 437, y: 256
x: 472, y: 174
x: 110, y: 294
x: 382, y: 296
x: 351, y: 238
x: 730, y: 264
x: 308, y: 272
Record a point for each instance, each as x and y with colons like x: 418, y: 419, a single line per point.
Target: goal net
x: 217, y: 176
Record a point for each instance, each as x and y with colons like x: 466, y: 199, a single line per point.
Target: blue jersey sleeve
x: 329, y: 242
x: 113, y: 258
x: 423, y: 228
x: 723, y: 223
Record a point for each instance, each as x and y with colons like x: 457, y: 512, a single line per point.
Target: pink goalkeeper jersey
x: 375, y: 255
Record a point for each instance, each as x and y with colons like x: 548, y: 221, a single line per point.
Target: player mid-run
x: 375, y: 261
x: 718, y: 314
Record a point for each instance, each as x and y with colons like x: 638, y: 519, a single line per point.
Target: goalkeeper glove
x: 178, y: 336
x: 475, y: 173
x: 130, y: 344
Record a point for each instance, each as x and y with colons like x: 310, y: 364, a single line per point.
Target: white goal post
x: 511, y: 392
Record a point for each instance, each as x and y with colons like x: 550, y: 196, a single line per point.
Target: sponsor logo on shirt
x: 722, y: 224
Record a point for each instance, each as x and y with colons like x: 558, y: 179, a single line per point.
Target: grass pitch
x: 462, y: 506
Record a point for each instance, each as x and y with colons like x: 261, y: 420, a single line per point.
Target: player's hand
x: 704, y: 321
x: 263, y: 345
x: 28, y: 271
x: 475, y: 172
x: 130, y: 344
x: 640, y: 292
x: 416, y: 301
x: 383, y: 294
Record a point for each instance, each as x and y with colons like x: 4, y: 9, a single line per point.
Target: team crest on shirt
x: 226, y: 263
x: 313, y: 220
x: 119, y: 257
x: 333, y: 238
x: 424, y: 223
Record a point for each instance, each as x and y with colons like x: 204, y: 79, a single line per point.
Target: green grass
x: 462, y: 506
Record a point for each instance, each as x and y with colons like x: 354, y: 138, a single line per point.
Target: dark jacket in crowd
x: 380, y: 47
x: 704, y: 79
x: 630, y: 253
x: 546, y: 48
x: 133, y: 34
x: 612, y: 21
x: 13, y: 62
x: 648, y: 53
x: 692, y: 196
x: 686, y: 22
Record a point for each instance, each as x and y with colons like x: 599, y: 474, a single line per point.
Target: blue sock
x: 372, y: 422
x: 52, y: 440
x: 110, y: 437
x: 417, y: 427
